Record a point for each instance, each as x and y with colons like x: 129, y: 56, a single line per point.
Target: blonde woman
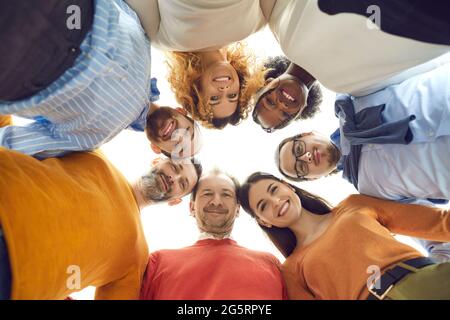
x: 213, y: 75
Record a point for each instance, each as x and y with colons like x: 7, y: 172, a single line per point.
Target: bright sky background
x: 239, y: 150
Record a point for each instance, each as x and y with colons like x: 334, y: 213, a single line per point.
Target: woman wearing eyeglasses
x: 290, y: 93
x: 348, y: 251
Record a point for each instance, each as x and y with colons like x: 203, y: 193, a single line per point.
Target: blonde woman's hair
x: 185, y: 70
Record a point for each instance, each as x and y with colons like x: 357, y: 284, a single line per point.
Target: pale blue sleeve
x: 35, y: 140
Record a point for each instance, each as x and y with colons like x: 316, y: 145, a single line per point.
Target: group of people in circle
x: 81, y: 86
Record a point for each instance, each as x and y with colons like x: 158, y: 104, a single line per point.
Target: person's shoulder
x: 261, y: 255
x: 352, y: 199
x: 170, y: 253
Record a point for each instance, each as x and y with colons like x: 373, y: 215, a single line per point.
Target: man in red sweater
x: 215, y: 267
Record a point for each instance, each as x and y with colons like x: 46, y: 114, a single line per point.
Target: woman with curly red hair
x: 213, y: 75
x: 215, y: 87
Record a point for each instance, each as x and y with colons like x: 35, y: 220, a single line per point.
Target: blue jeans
x: 5, y: 270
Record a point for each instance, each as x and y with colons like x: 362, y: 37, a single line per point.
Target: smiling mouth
x: 167, y: 129
x: 164, y: 182
x: 222, y: 79
x: 287, y: 96
x: 284, y: 208
x: 316, y: 156
x: 216, y: 210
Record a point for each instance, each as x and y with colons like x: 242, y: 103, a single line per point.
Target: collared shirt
x: 205, y: 235
x: 107, y: 90
x: 420, y: 169
x: 406, y: 172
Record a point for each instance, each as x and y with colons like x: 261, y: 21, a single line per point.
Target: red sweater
x: 213, y: 270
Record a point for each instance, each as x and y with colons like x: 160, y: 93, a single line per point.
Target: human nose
x: 306, y: 157
x: 216, y: 200
x: 276, y: 205
x: 169, y: 180
x: 223, y: 87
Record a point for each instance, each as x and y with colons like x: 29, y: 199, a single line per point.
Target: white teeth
x: 222, y: 79
x: 283, y: 209
x: 287, y: 96
x: 169, y: 127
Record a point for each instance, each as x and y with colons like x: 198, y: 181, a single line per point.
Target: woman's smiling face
x: 280, y: 100
x: 220, y: 89
x: 274, y: 203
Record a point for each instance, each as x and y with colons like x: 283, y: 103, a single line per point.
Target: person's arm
x: 408, y: 219
x: 126, y: 288
x: 267, y: 8
x: 148, y: 13
x: 5, y: 120
x: 148, y: 285
x: 36, y: 140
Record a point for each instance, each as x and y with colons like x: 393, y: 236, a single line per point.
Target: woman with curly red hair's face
x: 219, y: 84
x: 213, y: 75
x: 215, y: 87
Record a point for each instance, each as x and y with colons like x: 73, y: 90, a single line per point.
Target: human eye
x: 299, y: 148
x: 183, y: 184
x: 302, y: 168
x: 174, y: 168
x: 263, y: 206
x: 270, y: 102
x: 214, y: 98
x: 274, y: 190
x: 232, y: 95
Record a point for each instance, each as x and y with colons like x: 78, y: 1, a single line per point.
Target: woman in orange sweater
x: 348, y: 252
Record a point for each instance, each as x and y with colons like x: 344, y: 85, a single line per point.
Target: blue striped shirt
x: 107, y: 90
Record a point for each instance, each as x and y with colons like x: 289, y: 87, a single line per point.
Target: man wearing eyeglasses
x: 289, y: 93
x: 393, y: 144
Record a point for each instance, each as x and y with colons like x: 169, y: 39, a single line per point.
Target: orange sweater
x: 77, y: 210
x: 5, y: 121
x: 335, y: 266
x: 213, y: 270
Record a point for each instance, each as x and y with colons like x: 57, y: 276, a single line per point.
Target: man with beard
x: 172, y: 132
x: 74, y: 221
x: 81, y: 71
x: 215, y: 267
x: 169, y: 130
x: 393, y: 144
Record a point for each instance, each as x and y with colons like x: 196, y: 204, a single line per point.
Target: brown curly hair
x: 185, y: 70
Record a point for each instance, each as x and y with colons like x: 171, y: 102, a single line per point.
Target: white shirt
x: 421, y: 169
x: 199, y: 25
x: 342, y: 52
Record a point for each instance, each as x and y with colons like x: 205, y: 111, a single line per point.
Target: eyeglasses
x: 298, y: 150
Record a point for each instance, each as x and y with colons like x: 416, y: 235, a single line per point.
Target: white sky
x: 238, y: 150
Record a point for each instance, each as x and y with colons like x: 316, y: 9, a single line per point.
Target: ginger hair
x: 185, y: 70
